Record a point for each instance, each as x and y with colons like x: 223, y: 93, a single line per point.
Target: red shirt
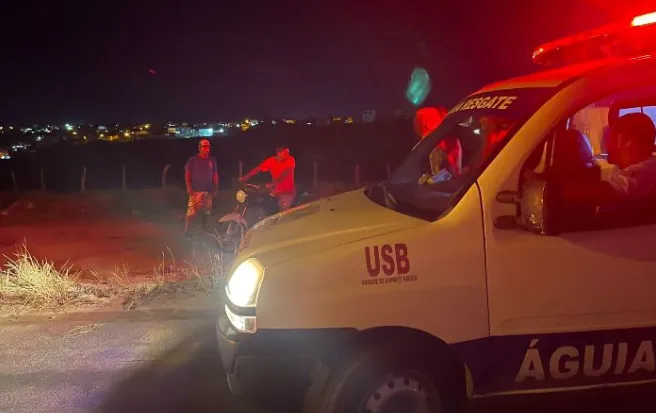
x: 276, y: 169
x: 452, y: 151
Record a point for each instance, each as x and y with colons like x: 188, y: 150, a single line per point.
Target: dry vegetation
x: 27, y: 283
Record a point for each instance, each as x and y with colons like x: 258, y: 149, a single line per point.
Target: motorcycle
x: 254, y: 203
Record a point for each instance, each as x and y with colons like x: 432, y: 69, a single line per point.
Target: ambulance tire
x: 350, y: 387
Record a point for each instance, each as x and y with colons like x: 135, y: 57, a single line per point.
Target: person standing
x: 281, y: 168
x: 202, y: 182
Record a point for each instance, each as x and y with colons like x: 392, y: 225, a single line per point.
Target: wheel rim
x: 401, y: 394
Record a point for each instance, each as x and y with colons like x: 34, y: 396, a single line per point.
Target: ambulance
x: 416, y: 297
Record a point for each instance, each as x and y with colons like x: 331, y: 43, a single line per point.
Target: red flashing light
x: 600, y: 42
x: 644, y: 20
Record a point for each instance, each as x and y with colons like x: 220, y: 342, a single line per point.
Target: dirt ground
x: 100, y: 233
x: 132, y: 232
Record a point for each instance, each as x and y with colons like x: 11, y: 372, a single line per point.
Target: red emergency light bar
x: 613, y: 40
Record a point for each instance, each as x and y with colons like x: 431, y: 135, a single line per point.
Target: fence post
x: 13, y: 180
x: 357, y: 174
x: 43, y: 179
x: 315, y: 174
x: 164, y: 175
x: 241, y: 168
x: 389, y: 171
x: 123, y: 176
x: 83, y: 184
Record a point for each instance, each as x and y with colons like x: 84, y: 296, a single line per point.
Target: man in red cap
x: 281, y: 168
x: 448, y: 152
x: 202, y: 182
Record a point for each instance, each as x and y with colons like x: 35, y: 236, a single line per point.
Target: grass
x: 37, y: 284
x: 30, y: 283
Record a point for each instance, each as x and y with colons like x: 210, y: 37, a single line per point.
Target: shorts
x: 199, y: 203
x: 285, y: 201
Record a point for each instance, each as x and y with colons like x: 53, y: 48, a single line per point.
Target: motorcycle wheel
x: 230, y: 235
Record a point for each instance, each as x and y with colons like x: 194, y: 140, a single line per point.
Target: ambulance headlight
x: 241, y: 196
x: 244, y: 284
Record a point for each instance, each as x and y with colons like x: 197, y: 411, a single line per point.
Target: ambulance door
x: 576, y: 281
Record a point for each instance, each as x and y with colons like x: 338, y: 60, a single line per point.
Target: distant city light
x: 477, y: 131
x: 221, y: 130
x: 206, y: 132
x: 74, y: 133
x: 39, y: 138
x: 68, y: 127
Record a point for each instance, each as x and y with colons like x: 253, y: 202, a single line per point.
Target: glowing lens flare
x: 419, y: 86
x: 644, y: 19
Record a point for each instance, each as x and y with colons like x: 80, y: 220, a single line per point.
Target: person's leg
x: 191, y: 212
x: 207, y: 210
x: 285, y: 201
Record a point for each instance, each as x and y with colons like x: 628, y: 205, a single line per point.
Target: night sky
x: 221, y: 60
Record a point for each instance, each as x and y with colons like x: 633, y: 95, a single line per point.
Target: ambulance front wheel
x: 389, y: 379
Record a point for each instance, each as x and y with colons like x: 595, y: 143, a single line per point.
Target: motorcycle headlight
x: 244, y: 284
x: 241, y: 196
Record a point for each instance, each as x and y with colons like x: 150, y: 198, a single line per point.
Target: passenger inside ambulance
x: 446, y: 158
x: 450, y: 158
x: 626, y: 195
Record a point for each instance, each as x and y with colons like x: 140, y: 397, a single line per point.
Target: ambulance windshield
x: 444, y: 165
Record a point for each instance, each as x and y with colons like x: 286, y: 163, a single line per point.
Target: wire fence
x: 343, y: 154
x: 120, y: 177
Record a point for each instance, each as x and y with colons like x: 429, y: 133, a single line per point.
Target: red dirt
x: 94, y: 232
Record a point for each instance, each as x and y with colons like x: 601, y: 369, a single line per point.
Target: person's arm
x: 260, y: 168
x: 215, y: 177
x: 188, y: 177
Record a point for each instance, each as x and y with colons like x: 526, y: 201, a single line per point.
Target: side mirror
x: 533, y: 205
x: 509, y: 197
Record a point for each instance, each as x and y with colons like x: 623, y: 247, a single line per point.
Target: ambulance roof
x: 551, y: 77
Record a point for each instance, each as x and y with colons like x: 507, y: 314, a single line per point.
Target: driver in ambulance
x: 630, y: 147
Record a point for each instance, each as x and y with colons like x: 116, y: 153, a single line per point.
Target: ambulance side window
x: 630, y: 177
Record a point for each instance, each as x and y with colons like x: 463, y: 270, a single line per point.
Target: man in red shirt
x: 281, y: 167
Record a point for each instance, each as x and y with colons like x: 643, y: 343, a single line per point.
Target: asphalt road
x: 164, y: 361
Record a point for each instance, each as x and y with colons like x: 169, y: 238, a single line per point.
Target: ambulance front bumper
x: 272, y: 360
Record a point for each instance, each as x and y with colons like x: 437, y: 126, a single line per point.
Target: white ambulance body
x: 430, y: 295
